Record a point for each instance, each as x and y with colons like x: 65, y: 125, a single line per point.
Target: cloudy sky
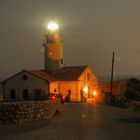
x: 92, y: 30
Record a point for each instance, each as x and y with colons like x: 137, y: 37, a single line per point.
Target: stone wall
x: 17, y: 112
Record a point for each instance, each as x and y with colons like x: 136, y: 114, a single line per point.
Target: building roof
x: 67, y: 73
x: 37, y: 73
x: 42, y: 74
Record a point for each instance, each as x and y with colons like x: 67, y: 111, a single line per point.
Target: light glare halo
x: 52, y: 26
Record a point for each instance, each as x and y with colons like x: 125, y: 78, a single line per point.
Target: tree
x: 133, y: 89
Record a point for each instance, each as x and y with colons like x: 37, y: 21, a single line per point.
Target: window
x: 24, y: 77
x: 38, y: 94
x: 88, y: 76
x: 13, y: 94
x: 25, y: 94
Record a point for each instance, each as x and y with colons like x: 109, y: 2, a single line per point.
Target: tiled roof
x: 67, y: 73
x: 42, y: 74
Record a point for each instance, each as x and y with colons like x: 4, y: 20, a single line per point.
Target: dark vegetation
x: 131, y: 96
x: 133, y: 89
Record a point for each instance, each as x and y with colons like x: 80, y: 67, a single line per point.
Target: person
x: 82, y: 96
x: 68, y: 96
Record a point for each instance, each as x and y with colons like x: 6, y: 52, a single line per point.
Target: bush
x: 130, y: 93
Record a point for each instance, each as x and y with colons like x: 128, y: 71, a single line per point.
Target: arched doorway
x: 83, y: 98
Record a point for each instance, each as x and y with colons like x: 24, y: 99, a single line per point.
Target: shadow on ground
x: 26, y: 127
x: 13, y: 129
x: 135, y: 120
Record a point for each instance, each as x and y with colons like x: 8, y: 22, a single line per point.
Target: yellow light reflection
x: 83, y: 116
x: 85, y: 89
x: 94, y: 93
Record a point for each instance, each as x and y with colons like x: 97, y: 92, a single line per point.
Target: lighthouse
x: 77, y: 83
x: 53, y: 47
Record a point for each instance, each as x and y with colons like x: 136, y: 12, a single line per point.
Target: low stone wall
x: 17, y: 112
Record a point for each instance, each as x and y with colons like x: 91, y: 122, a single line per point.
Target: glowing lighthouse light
x: 52, y: 26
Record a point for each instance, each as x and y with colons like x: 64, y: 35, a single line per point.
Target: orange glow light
x: 94, y: 93
x: 63, y: 97
x: 85, y: 89
x: 53, y: 97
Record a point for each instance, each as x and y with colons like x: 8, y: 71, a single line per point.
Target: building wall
x: 54, y: 87
x: 53, y: 56
x: 118, y: 87
x: 17, y: 83
x: 91, y: 82
x: 76, y: 86
x: 87, y: 79
x: 65, y: 86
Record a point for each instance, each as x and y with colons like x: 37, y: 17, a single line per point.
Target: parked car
x: 61, y: 97
x: 50, y: 96
x: 53, y: 96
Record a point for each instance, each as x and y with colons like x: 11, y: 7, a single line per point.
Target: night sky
x: 91, y: 29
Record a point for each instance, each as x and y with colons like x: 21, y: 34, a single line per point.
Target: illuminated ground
x: 80, y: 122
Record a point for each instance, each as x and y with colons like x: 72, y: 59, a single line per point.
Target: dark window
x: 61, y: 60
x: 13, y: 94
x: 25, y: 77
x: 25, y: 94
x: 55, y: 90
x: 38, y: 94
x: 88, y: 76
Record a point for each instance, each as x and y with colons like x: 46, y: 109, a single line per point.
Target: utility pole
x: 112, y: 71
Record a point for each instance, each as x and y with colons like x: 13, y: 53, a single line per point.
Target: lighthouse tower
x: 53, y: 48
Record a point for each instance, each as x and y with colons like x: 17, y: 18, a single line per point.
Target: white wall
x: 17, y: 83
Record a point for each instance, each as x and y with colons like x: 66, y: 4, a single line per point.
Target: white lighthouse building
x: 77, y: 81
x: 53, y: 47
